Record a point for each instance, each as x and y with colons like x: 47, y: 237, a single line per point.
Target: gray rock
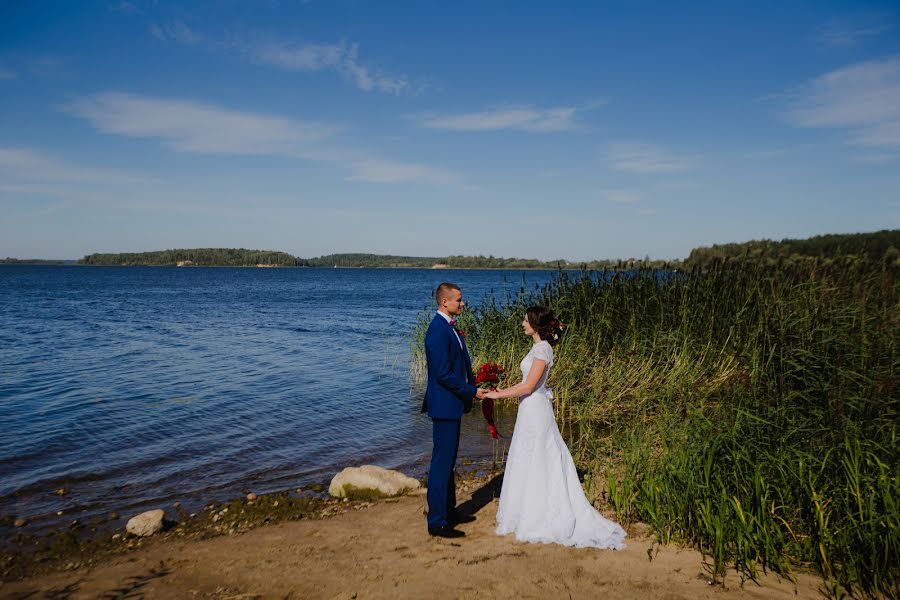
x: 370, y: 480
x: 251, y: 497
x: 146, y: 523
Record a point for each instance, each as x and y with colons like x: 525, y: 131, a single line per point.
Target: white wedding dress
x: 541, y: 499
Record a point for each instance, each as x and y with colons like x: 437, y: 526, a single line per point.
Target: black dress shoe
x: 458, y: 518
x: 446, y: 531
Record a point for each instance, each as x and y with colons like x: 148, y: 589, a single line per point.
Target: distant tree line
x: 491, y: 262
x: 201, y: 257
x: 384, y: 261
x: 472, y: 262
x: 32, y: 261
x: 877, y: 245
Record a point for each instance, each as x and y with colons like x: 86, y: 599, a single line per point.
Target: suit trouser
x: 441, y: 482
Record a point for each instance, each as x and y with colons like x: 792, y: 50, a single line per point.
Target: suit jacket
x: 450, y: 388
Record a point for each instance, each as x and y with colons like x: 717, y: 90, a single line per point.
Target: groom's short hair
x: 443, y: 291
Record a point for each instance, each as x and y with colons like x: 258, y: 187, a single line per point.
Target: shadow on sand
x: 482, y: 496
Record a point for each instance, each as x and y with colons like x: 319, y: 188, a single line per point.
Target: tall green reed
x: 748, y: 410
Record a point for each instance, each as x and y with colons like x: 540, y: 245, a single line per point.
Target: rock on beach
x: 146, y: 523
x: 370, y: 478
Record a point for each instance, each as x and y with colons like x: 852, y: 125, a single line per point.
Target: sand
x: 382, y: 550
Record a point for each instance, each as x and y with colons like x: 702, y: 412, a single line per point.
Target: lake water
x: 136, y: 387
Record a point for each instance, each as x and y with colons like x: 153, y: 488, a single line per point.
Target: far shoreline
x: 395, y: 268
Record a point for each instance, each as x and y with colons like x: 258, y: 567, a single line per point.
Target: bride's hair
x: 543, y: 321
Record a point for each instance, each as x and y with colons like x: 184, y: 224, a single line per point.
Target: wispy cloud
x: 863, y: 98
x: 523, y: 118
x: 124, y: 7
x: 311, y: 57
x: 187, y: 126
x: 178, y: 32
x: 842, y: 34
x: 766, y: 153
x: 384, y: 171
x: 621, y: 196
x: 635, y: 157
x: 6, y: 73
x: 193, y: 127
x: 342, y: 58
x: 878, y: 158
x: 18, y: 165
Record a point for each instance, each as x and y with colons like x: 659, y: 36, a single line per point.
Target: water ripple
x: 134, y: 387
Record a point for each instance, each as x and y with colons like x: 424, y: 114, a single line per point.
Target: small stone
x: 116, y: 536
x: 146, y: 523
x: 251, y: 497
x: 276, y: 503
x: 216, y: 518
x: 113, y: 516
x: 62, y: 492
x: 177, y: 505
x: 20, y: 522
x: 59, y: 513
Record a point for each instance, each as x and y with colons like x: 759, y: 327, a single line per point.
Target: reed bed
x: 747, y: 410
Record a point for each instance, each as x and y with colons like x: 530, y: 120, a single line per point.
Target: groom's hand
x: 481, y: 393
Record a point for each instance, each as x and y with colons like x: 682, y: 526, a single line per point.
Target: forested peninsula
x: 199, y: 257
x: 876, y: 245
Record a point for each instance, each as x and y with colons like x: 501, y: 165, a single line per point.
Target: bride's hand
x: 493, y: 395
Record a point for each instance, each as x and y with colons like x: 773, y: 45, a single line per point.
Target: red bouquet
x: 488, y: 376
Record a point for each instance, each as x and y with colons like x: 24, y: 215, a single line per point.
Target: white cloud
x: 311, y: 57
x: 621, y: 196
x: 524, y: 118
x: 125, y: 7
x: 635, y: 157
x: 318, y: 57
x: 192, y: 127
x: 187, y: 126
x: 385, y: 171
x: 177, y: 31
x: 26, y: 165
x: 341, y: 58
x: 863, y: 98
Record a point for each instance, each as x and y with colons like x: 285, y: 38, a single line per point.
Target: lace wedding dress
x: 541, y: 499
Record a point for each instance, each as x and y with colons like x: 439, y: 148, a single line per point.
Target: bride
x: 541, y: 499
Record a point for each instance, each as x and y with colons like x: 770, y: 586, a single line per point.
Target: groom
x: 448, y: 395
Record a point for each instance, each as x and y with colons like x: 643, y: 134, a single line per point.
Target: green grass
x: 747, y: 410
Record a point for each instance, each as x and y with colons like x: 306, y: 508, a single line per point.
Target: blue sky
x: 530, y: 129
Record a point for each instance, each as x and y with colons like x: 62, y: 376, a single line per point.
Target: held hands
x: 492, y: 395
x: 481, y: 394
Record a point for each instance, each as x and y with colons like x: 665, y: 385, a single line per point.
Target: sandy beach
x: 381, y: 550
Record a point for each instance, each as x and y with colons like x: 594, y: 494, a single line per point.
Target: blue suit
x: 448, y: 395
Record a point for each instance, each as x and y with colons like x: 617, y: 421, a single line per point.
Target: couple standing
x: 541, y: 499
